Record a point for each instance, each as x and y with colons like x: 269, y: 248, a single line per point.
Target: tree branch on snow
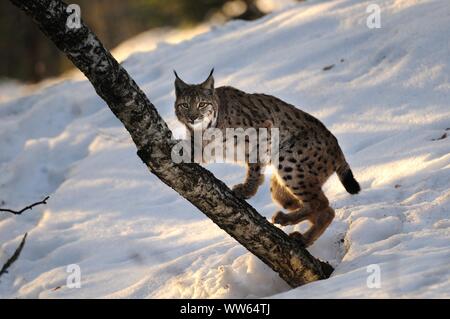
x: 19, y: 212
x: 154, y: 143
x: 14, y: 257
x: 19, y: 248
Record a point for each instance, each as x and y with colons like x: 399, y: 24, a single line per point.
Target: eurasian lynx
x: 309, y: 154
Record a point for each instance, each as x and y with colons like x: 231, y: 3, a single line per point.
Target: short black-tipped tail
x: 350, y: 183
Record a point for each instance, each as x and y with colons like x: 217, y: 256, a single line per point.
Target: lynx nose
x: 192, y: 118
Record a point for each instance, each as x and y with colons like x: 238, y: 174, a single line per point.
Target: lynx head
x: 196, y: 105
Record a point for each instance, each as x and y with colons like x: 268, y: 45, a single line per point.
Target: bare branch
x: 18, y: 212
x: 14, y: 257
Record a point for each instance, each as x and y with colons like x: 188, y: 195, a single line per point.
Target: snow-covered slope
x: 386, y: 99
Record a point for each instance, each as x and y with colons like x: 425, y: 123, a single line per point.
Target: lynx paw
x: 242, y: 191
x: 280, y: 218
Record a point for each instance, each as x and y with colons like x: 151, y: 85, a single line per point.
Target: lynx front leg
x: 254, y: 178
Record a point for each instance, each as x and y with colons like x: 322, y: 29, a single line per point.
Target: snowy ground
x: 386, y: 99
x: 10, y: 89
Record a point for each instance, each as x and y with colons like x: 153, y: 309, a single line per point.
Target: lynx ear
x: 209, y: 82
x: 180, y: 85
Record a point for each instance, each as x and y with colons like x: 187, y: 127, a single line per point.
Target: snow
x: 10, y: 89
x: 151, y: 39
x: 386, y: 99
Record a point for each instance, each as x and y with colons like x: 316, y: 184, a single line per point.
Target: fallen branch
x: 154, y: 143
x: 14, y: 257
x: 18, y: 212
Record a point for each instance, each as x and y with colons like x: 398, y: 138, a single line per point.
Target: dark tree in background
x: 26, y: 54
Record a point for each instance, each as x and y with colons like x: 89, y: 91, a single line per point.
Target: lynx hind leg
x: 317, y: 211
x: 320, y: 222
x: 282, y: 196
x: 315, y: 205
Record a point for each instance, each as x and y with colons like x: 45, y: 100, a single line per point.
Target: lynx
x: 308, y: 153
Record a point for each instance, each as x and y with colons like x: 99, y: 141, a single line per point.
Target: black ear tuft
x: 209, y: 82
x: 179, y: 84
x: 176, y: 75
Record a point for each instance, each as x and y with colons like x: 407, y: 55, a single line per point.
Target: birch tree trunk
x: 154, y: 141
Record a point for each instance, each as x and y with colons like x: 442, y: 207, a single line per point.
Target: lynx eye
x: 202, y: 105
x: 183, y: 105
